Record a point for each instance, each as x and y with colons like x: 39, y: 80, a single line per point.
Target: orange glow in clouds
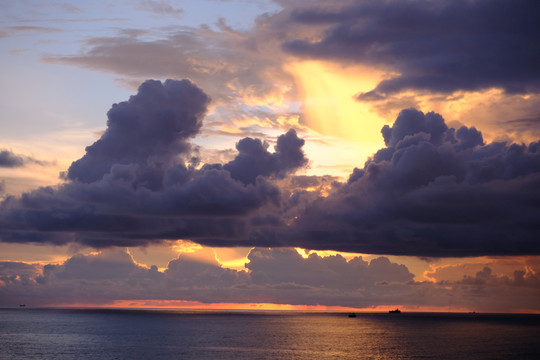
x: 195, y: 305
x: 345, y: 132
x: 329, y: 103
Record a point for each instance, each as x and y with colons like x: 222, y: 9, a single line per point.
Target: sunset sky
x: 271, y: 154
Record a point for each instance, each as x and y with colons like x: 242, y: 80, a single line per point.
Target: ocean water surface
x: 29, y: 333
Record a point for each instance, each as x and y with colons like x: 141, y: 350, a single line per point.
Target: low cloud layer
x: 278, y: 276
x: 432, y: 191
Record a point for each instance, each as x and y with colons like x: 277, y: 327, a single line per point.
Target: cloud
x: 432, y: 191
x: 140, y: 182
x: 243, y: 71
x: 253, y: 159
x: 152, y: 127
x: 283, y: 265
x: 278, y: 276
x: 428, y: 45
x: 159, y: 7
x: 228, y: 64
x: 28, y: 30
x: 11, y: 270
x: 524, y: 126
x: 429, y: 52
x: 8, y: 159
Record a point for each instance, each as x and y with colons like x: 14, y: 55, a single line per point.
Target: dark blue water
x: 155, y: 334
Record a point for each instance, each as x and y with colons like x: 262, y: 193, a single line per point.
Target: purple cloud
x: 8, y: 159
x: 150, y: 130
x: 138, y: 183
x: 434, y: 46
x: 433, y: 191
x: 253, y: 159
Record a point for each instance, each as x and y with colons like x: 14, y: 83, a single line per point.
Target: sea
x: 32, y: 333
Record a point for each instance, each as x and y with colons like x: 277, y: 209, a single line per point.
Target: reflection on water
x: 147, y: 334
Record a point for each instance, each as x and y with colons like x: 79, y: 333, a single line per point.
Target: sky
x: 307, y: 154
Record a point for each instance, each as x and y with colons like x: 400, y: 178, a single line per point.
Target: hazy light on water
x: 108, y: 334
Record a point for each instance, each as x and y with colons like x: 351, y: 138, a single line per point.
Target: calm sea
x: 28, y: 333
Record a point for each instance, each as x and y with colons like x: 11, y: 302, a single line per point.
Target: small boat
x: 395, y: 311
x: 22, y: 305
x: 352, y: 315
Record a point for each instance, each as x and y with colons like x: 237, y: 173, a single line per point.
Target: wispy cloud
x: 160, y: 7
x: 28, y: 30
x: 8, y: 159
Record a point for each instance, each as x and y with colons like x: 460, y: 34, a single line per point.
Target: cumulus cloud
x: 430, y: 45
x: 278, y: 276
x: 432, y: 191
x: 253, y: 159
x: 140, y: 183
x: 151, y: 128
x: 282, y: 265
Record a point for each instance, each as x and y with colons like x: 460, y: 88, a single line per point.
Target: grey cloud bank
x: 10, y: 160
x: 278, y: 276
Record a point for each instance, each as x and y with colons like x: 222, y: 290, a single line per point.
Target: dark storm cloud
x: 440, y: 46
x: 140, y: 182
x: 152, y: 127
x: 432, y: 191
x: 8, y: 159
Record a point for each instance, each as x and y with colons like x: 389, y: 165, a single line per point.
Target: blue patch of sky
x: 42, y: 96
